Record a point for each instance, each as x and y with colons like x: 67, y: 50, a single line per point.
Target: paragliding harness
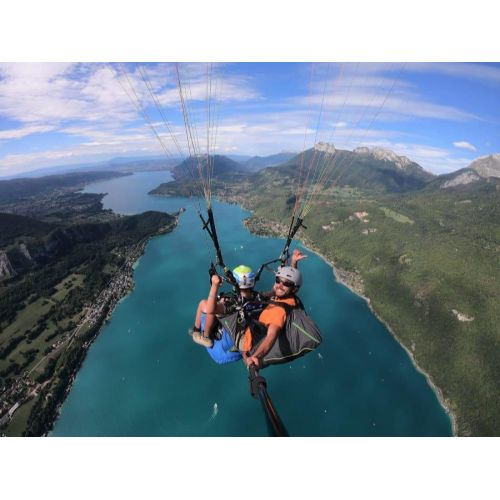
x: 239, y: 312
x: 300, y: 334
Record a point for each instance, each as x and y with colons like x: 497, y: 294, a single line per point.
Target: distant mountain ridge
x: 487, y: 166
x: 221, y: 166
x: 120, y: 164
x: 15, y: 189
x: 258, y: 162
x: 372, y: 170
x: 480, y: 172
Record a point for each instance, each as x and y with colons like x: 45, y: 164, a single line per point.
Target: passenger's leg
x: 211, y: 318
x: 201, y: 309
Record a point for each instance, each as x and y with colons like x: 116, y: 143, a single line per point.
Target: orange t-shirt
x: 271, y: 315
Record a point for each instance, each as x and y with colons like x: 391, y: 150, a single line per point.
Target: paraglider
x: 248, y: 323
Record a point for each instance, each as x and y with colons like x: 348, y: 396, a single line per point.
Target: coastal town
x: 93, y: 316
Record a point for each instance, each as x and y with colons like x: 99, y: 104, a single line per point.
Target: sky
x: 440, y: 115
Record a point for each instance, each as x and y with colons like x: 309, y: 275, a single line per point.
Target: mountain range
x: 119, y: 164
x: 485, y: 166
x: 256, y: 163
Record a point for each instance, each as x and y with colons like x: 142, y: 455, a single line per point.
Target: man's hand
x: 297, y: 255
x: 252, y: 360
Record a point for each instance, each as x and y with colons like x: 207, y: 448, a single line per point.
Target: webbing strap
x: 209, y: 227
x: 291, y: 233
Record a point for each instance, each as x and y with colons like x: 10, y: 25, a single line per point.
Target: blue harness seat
x: 220, y: 352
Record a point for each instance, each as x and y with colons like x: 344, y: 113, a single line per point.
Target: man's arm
x: 213, y: 307
x: 212, y: 294
x: 297, y: 255
x: 264, y: 347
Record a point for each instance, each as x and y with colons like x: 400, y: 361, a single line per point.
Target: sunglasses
x: 288, y: 284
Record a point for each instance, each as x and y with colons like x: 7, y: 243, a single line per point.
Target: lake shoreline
x: 431, y: 383
x: 97, y: 328
x: 262, y: 228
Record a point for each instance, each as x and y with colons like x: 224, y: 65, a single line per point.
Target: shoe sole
x: 199, y: 341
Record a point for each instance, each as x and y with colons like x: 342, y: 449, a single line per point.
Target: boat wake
x: 214, y: 413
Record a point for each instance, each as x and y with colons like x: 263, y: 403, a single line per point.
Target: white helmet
x: 291, y: 274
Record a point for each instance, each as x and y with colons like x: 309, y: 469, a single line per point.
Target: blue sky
x: 441, y: 115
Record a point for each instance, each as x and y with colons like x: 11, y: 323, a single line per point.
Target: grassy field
x: 396, y: 216
x: 65, y: 286
x: 27, y: 318
x: 32, y: 319
x: 19, y: 419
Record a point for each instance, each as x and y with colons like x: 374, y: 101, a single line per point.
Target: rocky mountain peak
x: 461, y: 179
x: 379, y: 153
x: 487, y: 166
x: 325, y: 146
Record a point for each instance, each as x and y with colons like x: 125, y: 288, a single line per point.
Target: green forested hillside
x: 14, y: 226
x: 218, y: 165
x: 430, y: 264
x: 346, y: 168
x: 188, y: 175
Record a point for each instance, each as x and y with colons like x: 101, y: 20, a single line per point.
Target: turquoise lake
x: 143, y: 376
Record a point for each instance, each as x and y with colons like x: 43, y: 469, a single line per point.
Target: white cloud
x: 27, y: 89
x: 469, y: 71
x: 24, y: 131
x: 366, y: 94
x: 398, y: 104
x: 96, y: 103
x: 464, y: 145
x: 57, y: 93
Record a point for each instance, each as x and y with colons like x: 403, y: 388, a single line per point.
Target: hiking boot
x: 200, y: 339
x: 192, y: 330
